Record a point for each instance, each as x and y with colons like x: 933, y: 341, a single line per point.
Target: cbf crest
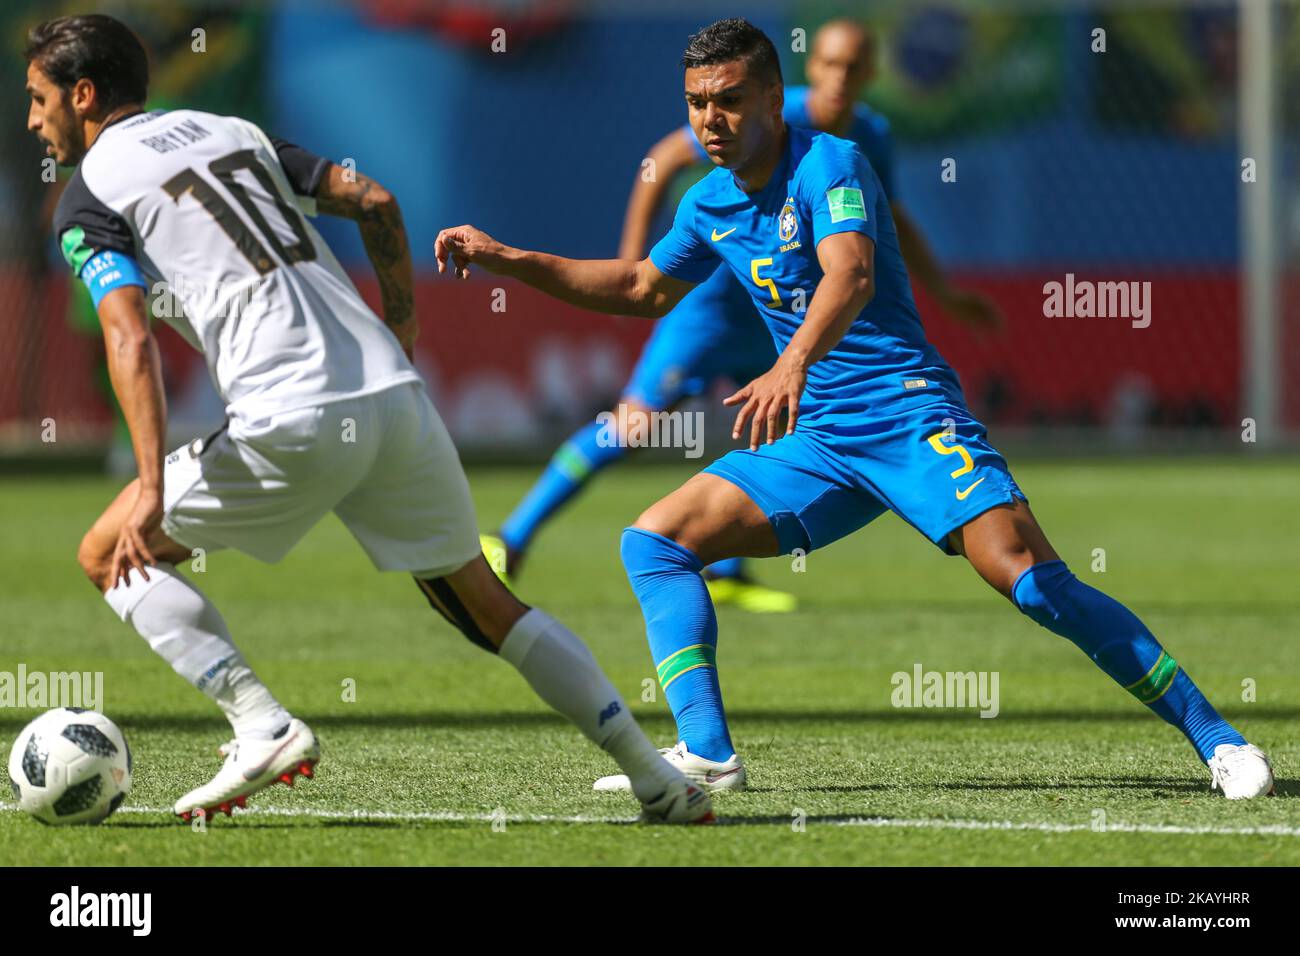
x: 787, y: 226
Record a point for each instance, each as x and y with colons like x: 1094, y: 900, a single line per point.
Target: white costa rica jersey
x: 212, y: 209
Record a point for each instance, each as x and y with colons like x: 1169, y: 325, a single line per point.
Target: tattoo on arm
x: 376, y: 212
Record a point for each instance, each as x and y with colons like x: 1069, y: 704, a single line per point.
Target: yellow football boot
x: 751, y: 596
x: 498, y: 557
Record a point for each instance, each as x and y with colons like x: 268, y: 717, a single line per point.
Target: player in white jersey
x: 324, y: 410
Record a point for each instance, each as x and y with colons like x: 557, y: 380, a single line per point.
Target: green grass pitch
x: 445, y: 757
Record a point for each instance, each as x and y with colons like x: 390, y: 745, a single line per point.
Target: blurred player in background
x: 875, y: 420
x: 715, y: 333
x: 325, y: 411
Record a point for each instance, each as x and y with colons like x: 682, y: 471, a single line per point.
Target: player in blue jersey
x: 715, y: 333
x: 858, y: 414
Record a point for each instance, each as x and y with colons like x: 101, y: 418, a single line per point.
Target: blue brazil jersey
x: 714, y: 332
x: 882, y: 422
x: 768, y: 241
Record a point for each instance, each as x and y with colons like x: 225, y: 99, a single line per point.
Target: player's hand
x: 132, y: 549
x: 765, y: 397
x: 463, y: 245
x: 972, y: 310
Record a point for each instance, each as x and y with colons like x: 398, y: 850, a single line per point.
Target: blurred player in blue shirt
x: 714, y: 333
x: 858, y: 414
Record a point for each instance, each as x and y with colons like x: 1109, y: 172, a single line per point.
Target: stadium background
x: 1122, y: 166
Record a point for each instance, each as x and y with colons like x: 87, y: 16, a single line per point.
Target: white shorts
x: 383, y: 463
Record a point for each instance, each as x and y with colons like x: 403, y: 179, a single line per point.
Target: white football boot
x: 252, y: 765
x: 709, y: 775
x: 681, y: 802
x: 1242, y: 772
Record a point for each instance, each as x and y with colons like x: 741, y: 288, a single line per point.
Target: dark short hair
x: 96, y: 47
x: 734, y: 39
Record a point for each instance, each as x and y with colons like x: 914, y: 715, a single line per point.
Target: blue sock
x: 683, y: 634
x: 727, y: 568
x: 1120, y: 645
x: 572, y: 466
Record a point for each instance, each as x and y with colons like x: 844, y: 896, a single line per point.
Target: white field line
x: 937, y: 823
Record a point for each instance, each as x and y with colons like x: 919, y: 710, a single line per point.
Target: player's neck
x: 757, y: 175
x: 92, y: 128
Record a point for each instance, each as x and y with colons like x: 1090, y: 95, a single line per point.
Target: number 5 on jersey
x: 763, y: 282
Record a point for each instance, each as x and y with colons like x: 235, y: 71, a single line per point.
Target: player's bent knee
x: 667, y: 521
x: 443, y: 599
x: 475, y: 601
x: 650, y: 520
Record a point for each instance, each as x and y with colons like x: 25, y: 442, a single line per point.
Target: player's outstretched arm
x: 968, y: 308
x: 136, y: 373
x: 667, y: 158
x: 847, y: 261
x: 617, y: 286
x: 375, y: 210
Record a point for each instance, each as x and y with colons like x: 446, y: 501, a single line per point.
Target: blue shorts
x: 714, y: 332
x: 930, y: 464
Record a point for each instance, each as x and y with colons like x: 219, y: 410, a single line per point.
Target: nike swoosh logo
x: 252, y: 773
x: 713, y: 776
x: 961, y: 495
x: 717, y: 235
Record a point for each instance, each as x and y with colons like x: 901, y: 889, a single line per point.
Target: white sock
x: 187, y: 631
x: 560, y: 668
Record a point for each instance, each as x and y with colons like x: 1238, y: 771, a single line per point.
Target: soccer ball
x: 70, y: 766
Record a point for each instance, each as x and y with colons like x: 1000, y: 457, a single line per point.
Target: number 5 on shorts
x: 967, y: 464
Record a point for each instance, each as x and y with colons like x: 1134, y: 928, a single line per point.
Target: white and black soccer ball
x: 70, y: 766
